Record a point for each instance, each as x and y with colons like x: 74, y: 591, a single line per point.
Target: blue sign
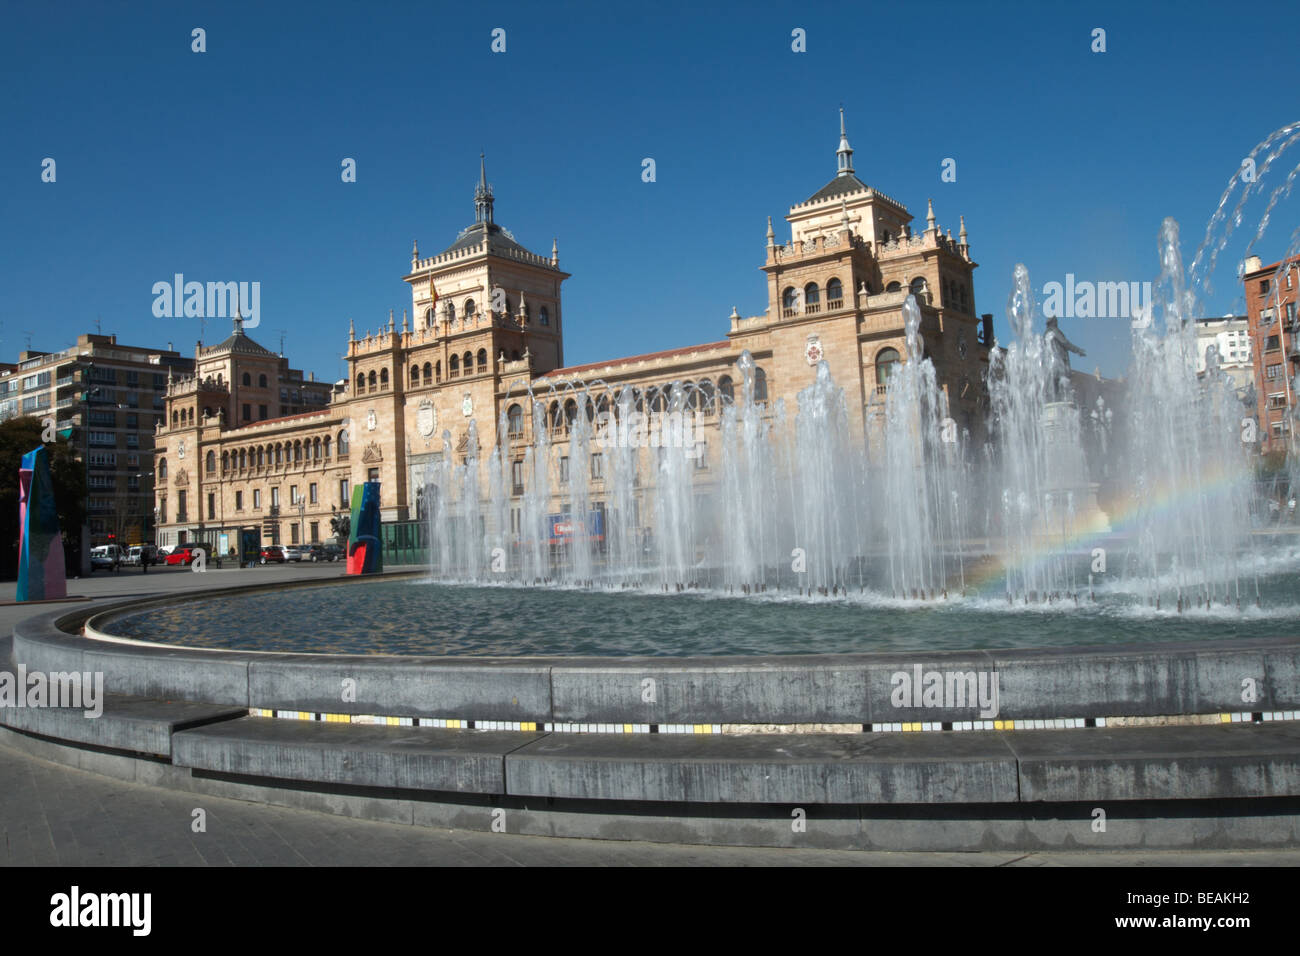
x: 564, y: 528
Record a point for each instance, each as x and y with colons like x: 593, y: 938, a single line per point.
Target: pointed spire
x: 415, y: 252
x: 555, y: 252
x: 352, y: 331
x: 239, y: 318
x: 962, y: 235
x: 405, y: 327
x: 844, y: 215
x: 771, y: 236
x: 391, y: 325
x: 523, y: 306
x: 482, y: 195
x: 929, y: 214
x: 844, y: 155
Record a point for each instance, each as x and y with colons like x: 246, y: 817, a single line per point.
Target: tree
x: 18, y: 436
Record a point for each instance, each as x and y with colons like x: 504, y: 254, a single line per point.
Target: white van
x: 106, y: 556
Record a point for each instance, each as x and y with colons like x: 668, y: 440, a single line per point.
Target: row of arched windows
x: 703, y: 395
x: 794, y: 302
x: 468, y: 309
x: 378, y: 382
x: 261, y: 380
x: 182, y: 417
x: 273, y: 455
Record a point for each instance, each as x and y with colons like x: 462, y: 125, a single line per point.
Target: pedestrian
x: 144, y: 561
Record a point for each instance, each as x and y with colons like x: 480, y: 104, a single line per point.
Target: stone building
x: 486, y: 330
x: 246, y: 441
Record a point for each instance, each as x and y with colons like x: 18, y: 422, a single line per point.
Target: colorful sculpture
x: 41, y: 574
x: 365, y: 550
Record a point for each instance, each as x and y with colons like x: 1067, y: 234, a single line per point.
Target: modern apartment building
x: 105, y: 399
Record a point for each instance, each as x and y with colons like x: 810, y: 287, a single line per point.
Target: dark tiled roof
x: 239, y: 342
x: 839, y: 186
x: 474, y: 235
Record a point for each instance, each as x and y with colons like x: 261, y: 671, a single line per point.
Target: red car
x: 273, y: 553
x: 184, y: 555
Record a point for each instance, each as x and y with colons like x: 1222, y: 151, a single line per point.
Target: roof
x: 239, y: 342
x: 474, y: 235
x: 572, y: 369
x: 839, y: 186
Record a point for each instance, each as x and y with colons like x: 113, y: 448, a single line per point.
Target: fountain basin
x: 1199, y: 680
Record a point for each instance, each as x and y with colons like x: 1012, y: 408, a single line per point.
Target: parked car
x: 185, y: 555
x: 325, y: 552
x: 107, y: 556
x: 273, y: 554
x: 293, y: 553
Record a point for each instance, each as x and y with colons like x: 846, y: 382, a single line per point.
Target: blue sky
x: 225, y: 165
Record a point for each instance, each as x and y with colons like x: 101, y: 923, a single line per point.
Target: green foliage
x: 18, y: 436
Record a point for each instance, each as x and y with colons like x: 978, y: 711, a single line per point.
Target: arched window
x: 383, y: 379
x: 886, y: 366
x: 279, y: 455
x: 175, y: 418
x: 482, y: 360
x: 315, y: 449
x: 467, y: 363
x: 428, y: 374
x: 326, y: 446
x: 415, y: 376
x: 453, y: 364
x: 544, y: 316
x: 469, y: 307
x: 248, y: 379
x: 918, y: 285
x: 727, y: 390
x: 965, y: 302
x: 243, y: 459
x: 894, y: 287
x: 372, y: 378
x: 659, y: 399
x: 428, y: 318
x: 361, y: 384
x: 515, y: 418
x: 261, y: 381
x: 261, y: 456
x: 162, y: 468
x: 451, y: 311
x: 297, y: 452
x: 708, y: 402
x: 790, y: 300
x: 834, y: 294
x: 811, y: 297
x: 343, y: 442
x: 570, y: 413
x: 760, y: 385
x: 557, y: 419
x: 437, y: 370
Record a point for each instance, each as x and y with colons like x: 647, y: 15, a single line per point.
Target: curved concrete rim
x: 1206, y: 680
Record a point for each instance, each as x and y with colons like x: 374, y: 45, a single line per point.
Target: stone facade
x: 486, y: 330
